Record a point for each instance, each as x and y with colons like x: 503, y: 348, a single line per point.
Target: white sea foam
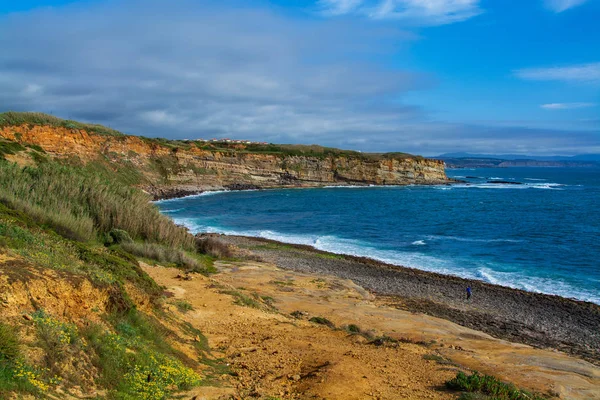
x: 360, y: 186
x: 534, y: 284
x: 535, y: 179
x: 487, y: 185
x: 172, y: 211
x: 413, y: 259
x: 419, y: 243
x: 192, y: 196
x: 473, y: 240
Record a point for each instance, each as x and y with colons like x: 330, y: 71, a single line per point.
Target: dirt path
x: 273, y: 354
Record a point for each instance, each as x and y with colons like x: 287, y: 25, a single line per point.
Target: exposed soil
x: 273, y: 350
x: 539, y: 320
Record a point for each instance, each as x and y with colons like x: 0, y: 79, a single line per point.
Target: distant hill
x: 580, y: 157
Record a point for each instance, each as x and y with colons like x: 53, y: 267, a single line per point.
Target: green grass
x: 329, y: 256
x: 489, y: 386
x: 168, y: 255
x: 135, y: 361
x: 242, y: 300
x: 438, y: 359
x: 82, y: 206
x: 183, y: 306
x: 9, y: 343
x: 282, y: 283
x: 272, y: 246
x: 42, y: 247
x: 8, y: 147
x: 12, y: 118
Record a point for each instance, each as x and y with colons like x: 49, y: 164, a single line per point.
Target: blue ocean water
x: 541, y: 236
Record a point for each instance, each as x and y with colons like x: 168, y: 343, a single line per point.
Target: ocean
x: 542, y: 235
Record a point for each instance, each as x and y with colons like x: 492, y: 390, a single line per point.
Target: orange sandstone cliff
x: 173, y: 168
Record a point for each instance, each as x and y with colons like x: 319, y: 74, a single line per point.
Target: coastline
x: 540, y: 320
x: 180, y: 192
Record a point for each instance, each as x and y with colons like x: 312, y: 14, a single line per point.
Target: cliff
x: 476, y: 162
x: 170, y: 168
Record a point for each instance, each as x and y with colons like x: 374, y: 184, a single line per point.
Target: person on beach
x: 468, y: 292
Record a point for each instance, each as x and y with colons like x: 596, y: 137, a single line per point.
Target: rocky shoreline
x: 159, y: 193
x: 539, y: 320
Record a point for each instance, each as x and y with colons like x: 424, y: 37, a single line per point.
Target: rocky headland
x: 166, y: 168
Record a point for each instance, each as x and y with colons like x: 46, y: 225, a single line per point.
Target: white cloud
x: 417, y: 12
x: 589, y: 73
x: 32, y: 89
x: 566, y: 106
x: 339, y: 7
x: 559, y: 6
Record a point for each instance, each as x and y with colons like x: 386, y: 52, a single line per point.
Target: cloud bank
x: 180, y: 70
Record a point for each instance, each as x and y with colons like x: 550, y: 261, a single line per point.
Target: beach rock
x: 505, y: 182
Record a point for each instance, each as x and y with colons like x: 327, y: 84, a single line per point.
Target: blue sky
x: 425, y: 76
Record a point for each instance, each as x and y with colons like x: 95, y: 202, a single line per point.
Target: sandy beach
x: 538, y: 320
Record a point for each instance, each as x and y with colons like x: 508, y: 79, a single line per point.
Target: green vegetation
x: 322, y: 321
x: 283, y: 283
x: 329, y: 256
x: 298, y: 150
x: 488, y: 386
x: 135, y: 361
x: 168, y: 255
x: 86, y: 221
x: 438, y: 359
x: 15, y: 373
x: 272, y: 246
x: 82, y: 206
x: 242, y: 299
x: 13, y: 118
x: 8, y: 147
x: 214, y: 247
x: 353, y: 329
x: 183, y: 306
x: 9, y: 343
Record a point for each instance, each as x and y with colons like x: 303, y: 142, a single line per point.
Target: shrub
x: 135, y: 361
x: 488, y: 385
x: 213, y: 247
x: 322, y: 321
x: 55, y: 338
x: 183, y: 306
x: 353, y: 329
x: 9, y: 343
x: 119, y: 236
x: 7, y: 147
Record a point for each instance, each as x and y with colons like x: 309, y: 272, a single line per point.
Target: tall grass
x: 9, y: 343
x: 80, y: 205
x: 13, y: 118
x: 165, y: 254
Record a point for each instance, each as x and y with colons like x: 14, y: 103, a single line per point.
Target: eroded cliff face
x: 169, y: 170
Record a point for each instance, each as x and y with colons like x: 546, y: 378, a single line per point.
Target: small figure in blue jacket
x: 468, y: 292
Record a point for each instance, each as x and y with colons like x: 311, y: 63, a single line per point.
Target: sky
x: 419, y: 76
